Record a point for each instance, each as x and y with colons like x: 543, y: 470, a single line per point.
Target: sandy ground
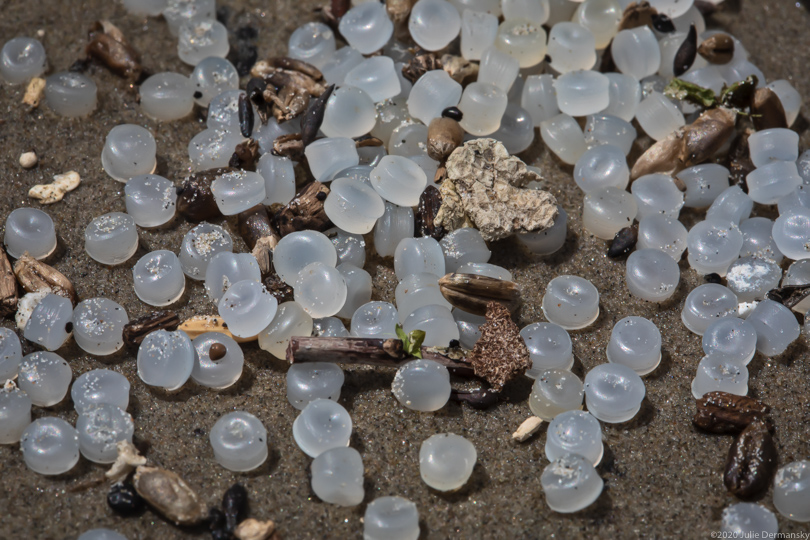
x: 662, y: 477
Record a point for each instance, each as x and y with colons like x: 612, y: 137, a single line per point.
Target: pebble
x: 321, y: 426
x: 337, y: 476
x: 446, y: 461
x: 575, y: 432
x: 50, y: 446
x: 570, y: 483
x: 422, y: 385
x: 28, y: 160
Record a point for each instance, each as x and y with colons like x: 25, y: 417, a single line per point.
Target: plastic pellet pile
x: 321, y: 266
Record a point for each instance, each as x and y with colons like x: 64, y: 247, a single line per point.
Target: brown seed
x: 686, y: 54
x: 721, y: 412
x: 717, y: 49
x: 290, y: 145
x: 305, y: 211
x: 169, y: 494
x: 421, y: 63
x: 8, y: 286
x: 767, y: 110
x: 444, y: 136
x: 637, y: 14
x: 474, y: 293
x: 245, y: 155
x: 195, y: 200
x: 751, y: 461
x: 217, y: 351
x: 624, y: 242
x: 429, y: 203
x: 137, y: 329
x: 34, y: 276
x: 111, y: 49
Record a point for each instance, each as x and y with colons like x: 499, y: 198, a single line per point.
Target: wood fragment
x: 254, y: 224
x: 305, y: 211
x: 137, y: 329
x: 200, y: 324
x: 8, y: 286
x: 35, y: 276
x: 34, y: 92
x: 529, y: 427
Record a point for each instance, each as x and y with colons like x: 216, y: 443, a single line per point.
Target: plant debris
x: 425, y: 215
x: 686, y: 54
x: 751, y: 462
x: 109, y: 47
x: 721, y: 412
x: 34, y: 92
x: 313, y: 118
x: 8, y: 286
x: 473, y: 292
x: 411, y: 342
x: 422, y: 62
x: 200, y: 324
x: 624, y: 241
x: 529, y: 427
x: 767, y: 111
x: 137, y: 329
x: 36, y: 276
x: 500, y: 353
x: 127, y: 460
x: 717, y: 49
x: 169, y: 494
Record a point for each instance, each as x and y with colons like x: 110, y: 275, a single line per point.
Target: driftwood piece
x: 305, y: 211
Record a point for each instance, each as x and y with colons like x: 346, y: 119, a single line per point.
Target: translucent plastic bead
x: 555, y: 391
x: 791, y: 233
x: 166, y: 359
x: 776, y: 144
x: 279, y: 178
x: 658, y: 116
x: 199, y: 39
x: 789, y: 97
x: 100, y: 428
x: 636, y: 343
x: 10, y: 354
x: 652, y: 275
x: 98, y: 325
x: 570, y: 483
x: 329, y: 327
x: 22, y: 59
x: 522, y: 39
x: 563, y: 136
x: 600, y: 167
x: 349, y: 113
x: 227, y: 268
x: 656, y: 194
x: 483, y: 105
x: 320, y: 289
x: 179, y: 11
x: 313, y: 43
x: 321, y: 426
x: 601, y: 17
x: 713, y: 245
x: 212, y: 76
x: 398, y: 180
x: 571, y: 47
x: 625, y: 96
x: 50, y: 322
x: 706, y: 304
x: 340, y: 63
x: 539, y: 98
x: 199, y: 246
x: 492, y: 7
x: 772, y: 181
x: 70, y: 94
x: 239, y: 441
x: 580, y: 93
x: 298, y: 249
x: 111, y: 238
x: 310, y: 381
x: 776, y: 327
x: 422, y: 385
x: 672, y: 8
x: 733, y: 205
x: 753, y: 520
x: 716, y: 372
x: 436, y: 321
x: 468, y: 327
x: 158, y: 278
x: 417, y: 290
x: 791, y: 491
x: 485, y: 269
x: 751, y: 278
x: 331, y: 155
x: 478, y: 31
x: 353, y: 205
x: 797, y: 273
x: 391, y: 518
x: 377, y: 77
x: 45, y: 377
x: 603, y: 129
x: 237, y: 191
x: 703, y: 184
x: 100, y: 386
x: 549, y: 346
x: 366, y: 27
x: 212, y: 148
x: 606, y: 211
x: 613, y: 393
x: 247, y: 308
x: 446, y: 461
x: 101, y: 534
x: 517, y: 129
x: 222, y: 371
x: 662, y: 233
x: 803, y: 166
x: 431, y: 94
x: 15, y: 414
x: 375, y: 320
x: 167, y: 96
x: 396, y: 223
x: 50, y: 446
x: 636, y: 52
x: 433, y: 24
x: 798, y: 198
x: 223, y: 111
x: 416, y: 255
x: 731, y: 337
x: 29, y: 230
x: 498, y: 68
x: 462, y: 246
x: 350, y: 247
x: 290, y: 320
x: 337, y: 476
x: 150, y: 200
x: 575, y: 432
x: 549, y: 241
x: 536, y: 11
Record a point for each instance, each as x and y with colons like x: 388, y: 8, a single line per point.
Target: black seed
x: 124, y: 500
x: 235, y: 506
x: 624, y: 242
x: 255, y: 88
x: 686, y: 54
x: 321, y: 196
x: 69, y: 327
x: 662, y: 23
x: 453, y: 113
x: 217, y: 524
x: 313, y: 117
x: 80, y: 66
x: 245, y: 116
x: 246, y: 33
x: 455, y: 344
x: 712, y: 278
x: 198, y: 94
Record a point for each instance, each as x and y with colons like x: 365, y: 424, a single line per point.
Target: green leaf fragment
x: 411, y: 343
x: 686, y: 91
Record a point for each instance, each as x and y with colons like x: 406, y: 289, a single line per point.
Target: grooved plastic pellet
x: 111, y: 238
x: 577, y: 432
x: 222, y: 372
x: 422, y: 385
x: 239, y: 441
x: 555, y: 391
x: 446, y: 461
x: 50, y: 446
x: 166, y: 359
x: 321, y: 426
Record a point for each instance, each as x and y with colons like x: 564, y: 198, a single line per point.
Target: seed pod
x: 473, y: 293
x: 637, y: 14
x: 421, y: 63
x: 137, y: 329
x: 429, y: 203
x: 767, y: 111
x: 444, y: 136
x: 721, y: 412
x: 123, y: 499
x: 8, y: 286
x: 234, y: 504
x: 624, y: 242
x: 35, y: 276
x: 245, y: 155
x: 216, y: 524
x: 294, y: 64
x: 245, y: 115
x: 195, y: 200
x: 169, y: 494
x: 290, y: 145
x: 313, y: 118
x: 751, y: 462
x: 686, y: 54
x: 717, y: 49
x: 200, y: 324
x: 305, y: 211
x: 111, y: 49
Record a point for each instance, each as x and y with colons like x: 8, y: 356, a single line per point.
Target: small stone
x: 55, y: 191
x: 28, y: 160
x: 34, y: 92
x: 253, y: 529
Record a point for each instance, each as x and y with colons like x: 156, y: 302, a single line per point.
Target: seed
x: 473, y: 293
x: 123, y: 499
x: 35, y: 276
x: 245, y: 155
x: 751, y: 462
x: 234, y: 504
x: 169, y: 494
x: 111, y: 49
x: 137, y: 329
x: 217, y: 351
x: 624, y: 242
x: 721, y: 412
x: 662, y: 23
x: 313, y: 118
x: 453, y: 113
x: 686, y: 54
x: 216, y: 524
x: 195, y: 200
x: 246, y: 118
x: 767, y: 111
x: 637, y: 14
x: 713, y: 278
x: 717, y: 49
x: 444, y: 136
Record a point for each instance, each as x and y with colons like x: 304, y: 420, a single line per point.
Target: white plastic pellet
x: 129, y: 150
x: 656, y: 194
x: 100, y: 386
x: 416, y: 255
x: 601, y: 17
x: 298, y: 249
x: 331, y: 155
x: 341, y: 63
x: 555, y: 391
x: 563, y: 136
x: 321, y: 426
x: 310, y: 381
x: 50, y: 446
x: 167, y: 96
x: 21, y: 59
x: 100, y: 427
x: 179, y: 11
x: 625, y: 96
x: 279, y: 178
x: 636, y: 343
x: 29, y: 230
x: 237, y: 191
x: 212, y: 76
x: 571, y: 302
x: 750, y: 278
x: 398, y: 180
x: 312, y: 42
x: 227, y: 268
x: 580, y: 93
x: 50, y: 322
x: 247, y: 308
x: 431, y: 94
x: 329, y: 327
x: 353, y: 205
x: 791, y: 491
x: 15, y: 414
x: 70, y: 94
x: 576, y: 432
x: 636, y: 52
x: 223, y: 110
x: 748, y: 519
x: 523, y: 40
x: 436, y: 321
x: 652, y: 275
x: 537, y: 11
x: 158, y: 278
x: 112, y: 238
x: 492, y: 7
x: 570, y: 483
x: 600, y: 167
x: 349, y: 113
x: 791, y: 233
x: 391, y: 518
x: 10, y: 354
x: 375, y: 320
x: 366, y: 27
x: 603, y: 129
x: 422, y: 385
x: 239, y: 441
x: 517, y: 129
x: 417, y: 290
x: 776, y: 327
x: 733, y: 205
x: 772, y: 181
x: 539, y: 98
x: 713, y: 245
x: 358, y: 289
x: 706, y: 304
x: 498, y: 68
x: 320, y: 289
x: 672, y: 8
x: 704, y: 183
x: 482, y: 105
x: 98, y: 326
x: 213, y: 147
x: 199, y: 246
x: 350, y: 247
x: 605, y: 211
x: 463, y: 246
x: 433, y: 24
x: 549, y: 241
x: 222, y: 372
x: 290, y: 320
x: 797, y: 273
x: 717, y: 372
x: 798, y: 198
x: 662, y: 233
x: 446, y: 461
x: 775, y: 144
x: 613, y: 392
x: 485, y: 269
x: 165, y: 359
x: 731, y: 337
x: 150, y: 199
x: 45, y: 377
x: 377, y: 77
x: 101, y: 534
x: 549, y: 347
x: 337, y: 477
x: 478, y: 31
x: 396, y: 223
x: 658, y: 116
x: 571, y: 47
x: 199, y: 39
x: 789, y: 97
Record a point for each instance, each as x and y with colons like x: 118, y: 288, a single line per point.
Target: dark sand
x: 662, y: 477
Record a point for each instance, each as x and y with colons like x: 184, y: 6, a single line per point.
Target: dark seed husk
x: 713, y: 278
x: 245, y: 116
x: 313, y: 118
x: 767, y: 110
x: 482, y: 398
x: 421, y: 63
x: 751, y: 462
x: 123, y: 499
x: 216, y: 523
x: 254, y: 224
x: 789, y: 295
x: 686, y: 54
x: 473, y: 293
x: 109, y: 47
x: 275, y: 286
x: 624, y: 242
x: 740, y: 94
x: 245, y: 155
x: 195, y: 200
x: 235, y: 506
x: 34, y: 276
x: 662, y: 23
x: 721, y: 412
x: 717, y: 49
x: 305, y: 211
x: 137, y: 329
x: 453, y: 113
x: 424, y: 218
x: 8, y: 286
x: 290, y: 146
